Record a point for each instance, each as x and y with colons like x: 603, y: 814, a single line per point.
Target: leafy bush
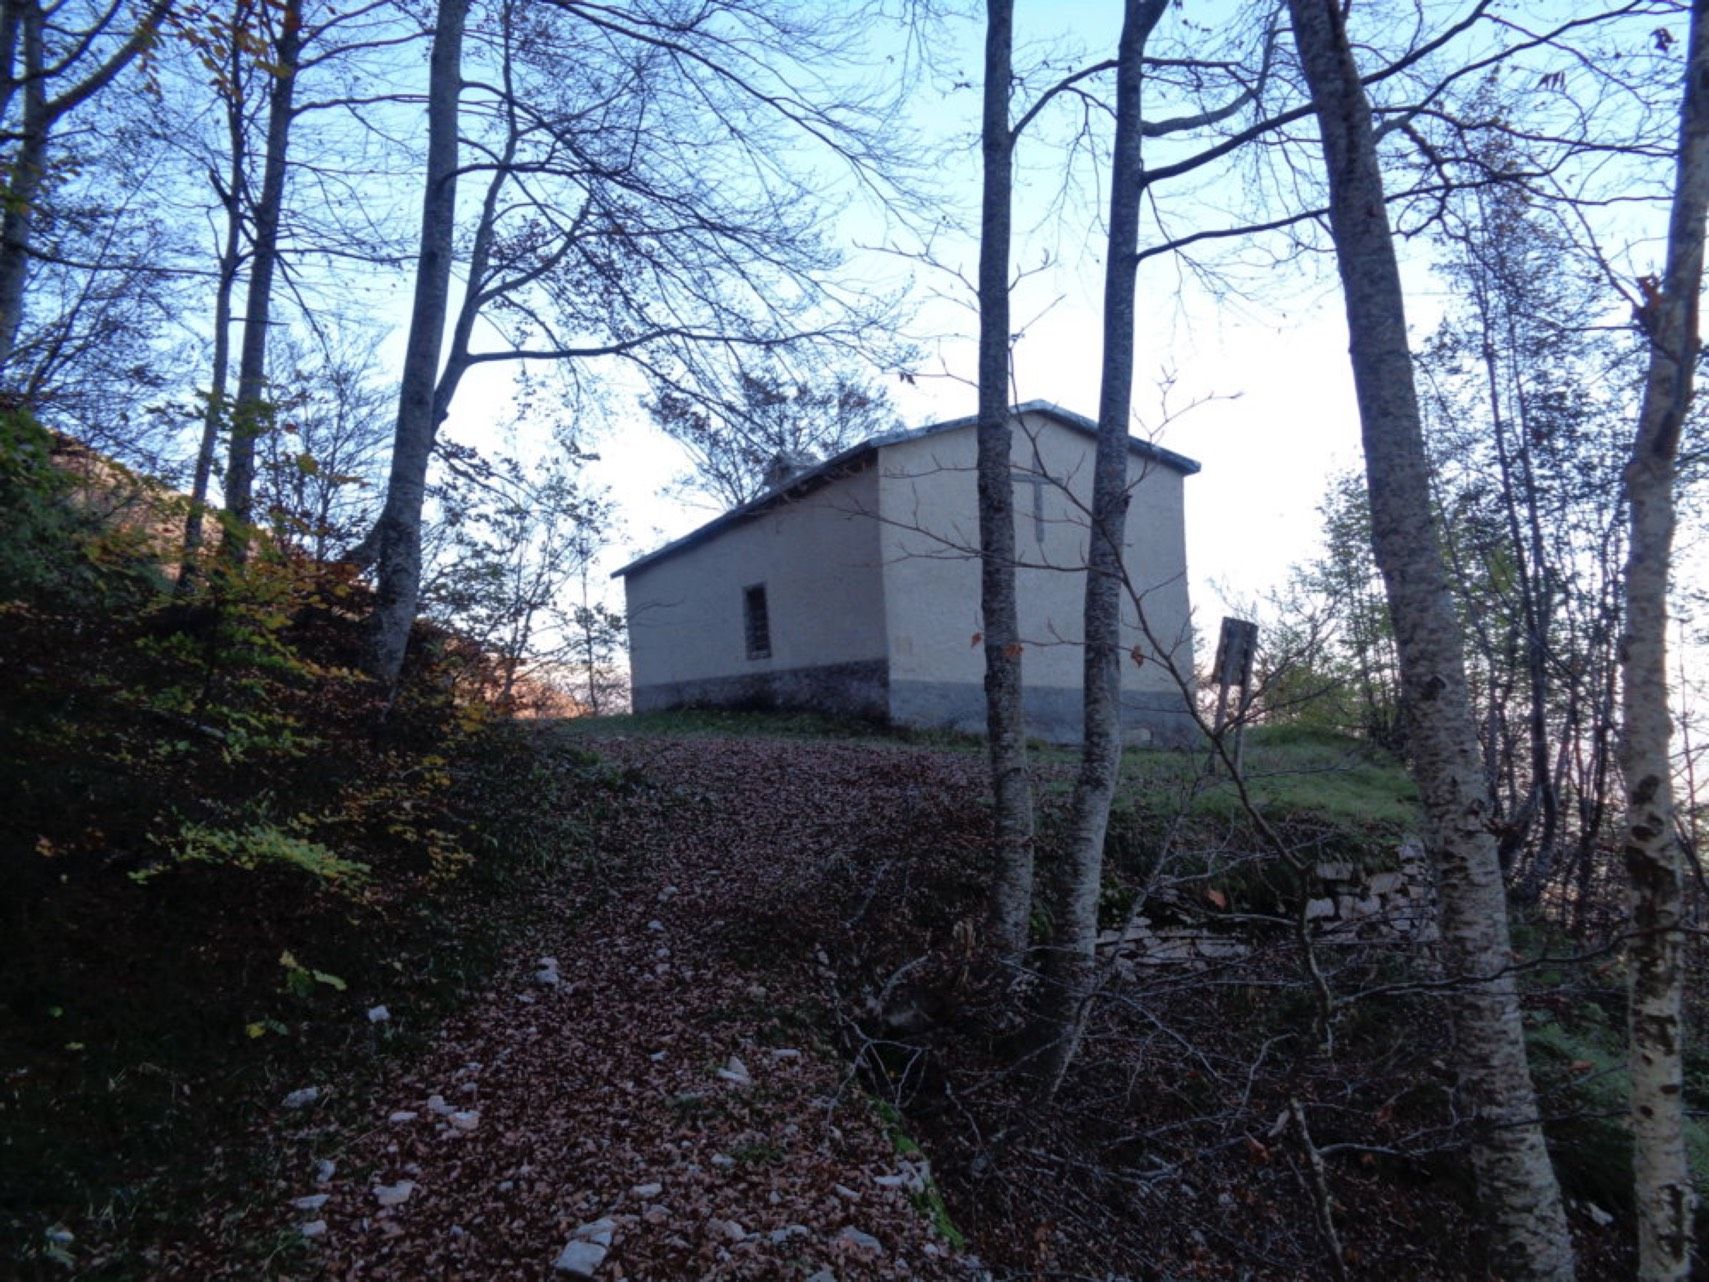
x: 258, y: 846
x: 202, y: 789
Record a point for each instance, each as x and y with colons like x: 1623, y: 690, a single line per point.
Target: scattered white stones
x: 736, y: 1072
x: 527, y: 999
x: 436, y: 1105
x: 668, y: 893
x: 779, y: 1236
x: 655, y: 924
x: 658, y: 1057
x: 579, y: 1259
x: 394, y: 1194
x: 548, y: 972
x: 301, y: 1099
x: 378, y: 1014
x: 723, y: 1161
x: 733, y: 1230
x: 59, y: 1235
x: 785, y: 1052
x: 843, y: 1190
x: 586, y: 1249
x: 313, y: 1229
x: 645, y: 1191
x: 1599, y: 1217
x: 402, y: 1115
x: 856, y: 1240
x: 465, y: 1121
x: 313, y: 1202
x: 823, y: 1275
x: 598, y: 1232
x: 325, y: 1169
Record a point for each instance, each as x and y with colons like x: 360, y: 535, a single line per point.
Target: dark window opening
x: 756, y: 623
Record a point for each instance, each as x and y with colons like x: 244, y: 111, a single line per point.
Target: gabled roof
x: 804, y: 483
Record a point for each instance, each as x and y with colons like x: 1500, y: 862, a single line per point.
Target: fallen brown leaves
x: 592, y: 1090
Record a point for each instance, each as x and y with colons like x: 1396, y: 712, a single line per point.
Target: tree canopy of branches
x: 775, y: 419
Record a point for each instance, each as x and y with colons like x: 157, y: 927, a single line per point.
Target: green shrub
x: 260, y: 846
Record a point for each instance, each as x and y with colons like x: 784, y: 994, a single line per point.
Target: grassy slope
x: 1332, y: 777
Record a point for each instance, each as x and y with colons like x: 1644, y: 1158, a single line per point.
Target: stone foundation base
x: 837, y: 689
x: 1156, y: 719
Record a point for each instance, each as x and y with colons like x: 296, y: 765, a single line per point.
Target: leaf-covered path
x: 657, y: 1061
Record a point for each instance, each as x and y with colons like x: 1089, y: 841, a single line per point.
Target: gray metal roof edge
x: 823, y: 473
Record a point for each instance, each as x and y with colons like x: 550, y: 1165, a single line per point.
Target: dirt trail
x: 665, y: 1075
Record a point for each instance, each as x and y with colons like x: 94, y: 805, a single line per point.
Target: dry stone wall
x: 1351, y: 905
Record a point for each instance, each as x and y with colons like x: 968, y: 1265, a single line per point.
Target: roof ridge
x: 821, y: 472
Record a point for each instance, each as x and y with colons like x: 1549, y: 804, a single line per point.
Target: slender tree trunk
x: 23, y: 183
x: 251, y: 411
x: 22, y: 26
x: 1516, y: 1185
x: 1539, y: 588
x: 398, y: 532
x: 1068, y: 969
x: 1005, y: 728
x: 1664, y: 1191
x: 231, y: 253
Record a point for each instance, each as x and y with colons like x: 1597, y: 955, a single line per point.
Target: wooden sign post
x: 1235, y: 650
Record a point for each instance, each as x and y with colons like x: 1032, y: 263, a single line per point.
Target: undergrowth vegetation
x: 221, y: 848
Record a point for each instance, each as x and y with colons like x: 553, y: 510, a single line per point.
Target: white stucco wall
x: 819, y: 559
x: 872, y: 591
x: 928, y: 497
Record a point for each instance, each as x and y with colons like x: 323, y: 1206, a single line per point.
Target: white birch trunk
x: 1663, y: 1190
x: 1516, y: 1185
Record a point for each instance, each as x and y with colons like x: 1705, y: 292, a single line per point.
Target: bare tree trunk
x: 40, y: 113
x: 398, y: 532
x: 1005, y: 728
x: 23, y: 183
x: 1068, y: 969
x: 1663, y: 1191
x: 1516, y: 1184
x: 251, y: 411
x: 231, y: 253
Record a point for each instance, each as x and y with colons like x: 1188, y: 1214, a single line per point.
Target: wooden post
x: 1235, y: 650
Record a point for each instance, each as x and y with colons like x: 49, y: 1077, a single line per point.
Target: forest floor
x: 652, y: 1063
x: 729, y: 1047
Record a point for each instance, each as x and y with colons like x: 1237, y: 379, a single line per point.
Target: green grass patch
x: 930, y: 1199
x: 1290, y: 774
x: 1289, y: 771
x: 1581, y: 1073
